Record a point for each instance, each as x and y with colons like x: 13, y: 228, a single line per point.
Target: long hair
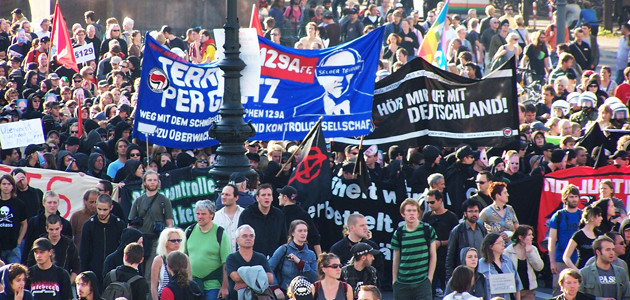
x: 521, y: 231
x: 486, y: 246
x: 10, y: 179
x: 588, y: 213
x: 177, y: 262
x: 293, y: 226
x: 323, y: 261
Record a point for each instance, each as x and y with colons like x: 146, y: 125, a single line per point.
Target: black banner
x: 421, y: 104
x: 183, y: 187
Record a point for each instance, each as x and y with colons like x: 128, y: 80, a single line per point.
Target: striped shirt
x: 414, y: 252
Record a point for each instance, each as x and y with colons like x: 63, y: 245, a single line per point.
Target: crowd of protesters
x: 449, y: 246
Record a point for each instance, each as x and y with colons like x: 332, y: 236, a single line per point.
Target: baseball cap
x: 44, y: 39
x: 16, y: 11
x: 253, y: 156
x: 73, y: 141
x: 539, y: 126
x: 557, y: 155
x: 465, y: 151
x: 288, y: 191
x: 53, y: 76
x: 42, y: 244
x: 548, y: 146
x: 237, y: 177
x: 362, y: 248
x: 32, y: 148
x: 620, y: 154
x: 301, y: 288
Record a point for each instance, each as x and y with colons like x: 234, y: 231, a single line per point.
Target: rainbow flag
x: 433, y: 47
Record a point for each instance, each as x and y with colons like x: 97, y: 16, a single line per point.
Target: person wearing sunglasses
x: 170, y: 240
x: 329, y: 286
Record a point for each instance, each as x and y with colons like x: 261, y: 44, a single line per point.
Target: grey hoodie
x: 479, y: 288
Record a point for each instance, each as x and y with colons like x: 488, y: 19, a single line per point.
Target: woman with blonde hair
x: 171, y: 239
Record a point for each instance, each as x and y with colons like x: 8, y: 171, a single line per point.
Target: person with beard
x: 29, y: 195
x: 512, y: 166
x: 587, y: 101
x: 432, y: 157
x: 155, y: 211
x: 96, y: 166
x: 100, y: 236
x: 466, y: 234
x: 87, y: 286
x: 79, y: 217
x: 456, y: 178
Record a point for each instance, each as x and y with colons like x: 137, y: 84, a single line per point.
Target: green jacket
x: 590, y: 282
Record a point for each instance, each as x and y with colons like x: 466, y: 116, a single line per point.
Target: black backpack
x: 192, y: 292
x: 118, y: 289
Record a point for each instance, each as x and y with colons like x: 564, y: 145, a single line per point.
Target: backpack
x: 118, y: 289
x: 190, y: 228
x: 192, y: 292
x: 216, y: 274
x: 318, y: 287
x: 425, y: 229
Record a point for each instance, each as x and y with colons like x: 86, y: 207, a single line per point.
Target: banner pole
x: 356, y: 165
x: 146, y: 138
x: 301, y: 144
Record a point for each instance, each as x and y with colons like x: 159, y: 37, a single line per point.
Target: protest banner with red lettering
x: 587, y: 179
x: 69, y: 186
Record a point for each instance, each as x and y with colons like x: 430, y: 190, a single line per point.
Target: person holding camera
x: 150, y: 213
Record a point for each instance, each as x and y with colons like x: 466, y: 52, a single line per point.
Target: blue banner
x: 177, y: 101
x: 299, y: 86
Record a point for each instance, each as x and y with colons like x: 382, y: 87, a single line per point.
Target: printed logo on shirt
x: 5, y: 217
x: 607, y: 279
x: 45, y: 287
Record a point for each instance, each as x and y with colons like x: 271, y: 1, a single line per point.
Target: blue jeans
x: 212, y: 294
x: 11, y: 256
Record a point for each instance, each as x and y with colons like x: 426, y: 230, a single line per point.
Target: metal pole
x: 534, y: 13
x: 231, y: 131
x: 561, y: 21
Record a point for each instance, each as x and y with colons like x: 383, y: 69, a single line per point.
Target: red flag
x: 61, y: 41
x: 255, y: 21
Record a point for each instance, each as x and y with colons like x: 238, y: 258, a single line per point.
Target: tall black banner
x: 421, y: 104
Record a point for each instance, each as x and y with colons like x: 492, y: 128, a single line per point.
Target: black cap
x: 557, y: 155
x: 72, y: 141
x: 42, y: 244
x: 32, y: 148
x: 51, y: 104
x: 352, y: 11
x: 16, y: 11
x: 620, y: 154
x: 253, y: 156
x: 44, y: 39
x: 465, y: 151
x: 362, y: 248
x: 237, y: 177
x: 253, y: 143
x: 288, y: 191
x: 548, y: 146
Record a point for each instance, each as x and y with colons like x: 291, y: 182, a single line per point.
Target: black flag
x: 312, y: 177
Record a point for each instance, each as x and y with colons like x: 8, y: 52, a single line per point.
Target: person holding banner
x: 500, y: 271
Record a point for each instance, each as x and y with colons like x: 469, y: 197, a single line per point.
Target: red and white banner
x: 69, y: 186
x: 587, y: 179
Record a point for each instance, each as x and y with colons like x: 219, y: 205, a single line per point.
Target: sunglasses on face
x: 73, y: 131
x: 135, y: 155
x: 334, y: 266
x: 175, y: 241
x: 480, y: 182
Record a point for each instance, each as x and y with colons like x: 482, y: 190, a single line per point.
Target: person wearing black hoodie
x: 96, y: 166
x: 34, y: 107
x: 624, y: 230
x: 100, y: 236
x: 432, y: 157
x: 122, y: 130
x: 14, y: 278
x: 457, y: 178
x: 133, y: 257
x: 115, y: 259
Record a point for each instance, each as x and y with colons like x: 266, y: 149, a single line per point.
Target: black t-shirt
x: 536, y: 59
x: 32, y: 199
x: 51, y: 284
x: 442, y: 224
x: 584, y: 248
x: 12, y: 213
x: 235, y: 261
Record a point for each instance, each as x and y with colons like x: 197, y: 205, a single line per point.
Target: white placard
x: 84, y: 53
x: 250, y: 54
x: 502, y: 284
x: 21, y: 134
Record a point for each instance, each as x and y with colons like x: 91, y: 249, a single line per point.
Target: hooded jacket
x: 420, y: 175
x: 8, y: 293
x: 102, y: 174
x: 479, y: 287
x: 60, y: 156
x: 111, y: 144
x: 99, y: 240
x: 115, y: 259
x: 128, y: 172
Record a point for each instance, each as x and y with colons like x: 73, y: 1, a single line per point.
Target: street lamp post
x: 561, y: 20
x: 231, y: 131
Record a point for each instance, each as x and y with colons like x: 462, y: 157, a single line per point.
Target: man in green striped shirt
x: 414, y: 255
